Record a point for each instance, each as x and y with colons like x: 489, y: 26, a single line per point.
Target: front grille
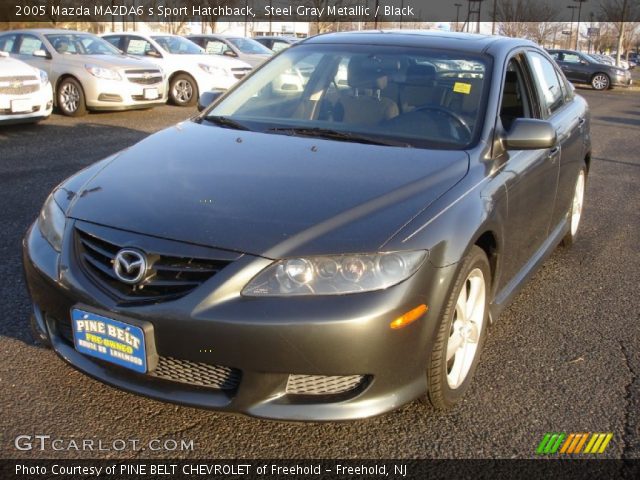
x: 19, y: 85
x: 198, y: 374
x: 240, y: 72
x: 144, y: 77
x: 322, y: 384
x: 181, y: 371
x: 167, y: 277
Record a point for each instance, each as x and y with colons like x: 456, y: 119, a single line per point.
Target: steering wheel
x: 436, y: 108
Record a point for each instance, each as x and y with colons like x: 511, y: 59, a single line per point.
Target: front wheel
x: 71, y: 98
x: 600, y: 81
x: 183, y: 91
x: 461, y: 332
x: 575, y: 214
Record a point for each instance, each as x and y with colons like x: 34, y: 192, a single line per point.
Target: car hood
x: 265, y: 194
x: 12, y: 67
x: 110, y: 61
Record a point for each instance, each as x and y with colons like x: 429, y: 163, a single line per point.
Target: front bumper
x: 41, y: 106
x: 267, y: 341
x: 121, y: 95
x: 622, y: 80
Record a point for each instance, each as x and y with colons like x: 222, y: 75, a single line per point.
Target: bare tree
x: 623, y: 15
x: 524, y: 18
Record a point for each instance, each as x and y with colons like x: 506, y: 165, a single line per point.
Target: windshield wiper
x: 227, y: 122
x: 336, y: 135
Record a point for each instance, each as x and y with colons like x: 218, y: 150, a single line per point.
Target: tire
x: 449, y: 378
x: 600, y: 81
x: 183, y: 90
x: 70, y: 98
x: 577, y: 204
x: 38, y: 337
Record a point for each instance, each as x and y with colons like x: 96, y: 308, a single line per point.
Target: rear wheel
x: 461, y: 333
x: 71, y: 98
x: 600, y: 81
x: 575, y: 214
x: 183, y: 91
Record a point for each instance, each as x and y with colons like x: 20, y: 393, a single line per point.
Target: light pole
x: 573, y: 11
x: 457, y: 5
x: 580, y: 2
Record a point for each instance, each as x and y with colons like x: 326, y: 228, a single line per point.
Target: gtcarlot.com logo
x: 574, y: 443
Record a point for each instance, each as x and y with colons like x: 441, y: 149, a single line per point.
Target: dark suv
x: 583, y: 68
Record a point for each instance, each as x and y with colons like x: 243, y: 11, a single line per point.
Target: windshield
x: 250, y: 46
x: 399, y: 95
x: 177, y: 45
x: 81, y: 44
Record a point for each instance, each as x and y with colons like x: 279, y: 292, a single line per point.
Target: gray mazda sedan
x: 320, y: 246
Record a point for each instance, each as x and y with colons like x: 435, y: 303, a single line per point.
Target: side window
x: 571, y: 58
x: 548, y: 83
x: 279, y: 45
x: 215, y: 47
x: 29, y: 44
x: 116, y: 41
x: 139, y: 46
x: 7, y: 42
x: 515, y: 101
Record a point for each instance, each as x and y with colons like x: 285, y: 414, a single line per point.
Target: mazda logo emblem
x: 130, y: 266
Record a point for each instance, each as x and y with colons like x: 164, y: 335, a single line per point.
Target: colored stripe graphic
x: 573, y: 443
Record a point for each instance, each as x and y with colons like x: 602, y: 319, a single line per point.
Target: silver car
x: 86, y: 72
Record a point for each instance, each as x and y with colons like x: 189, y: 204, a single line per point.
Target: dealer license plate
x: 21, y: 106
x: 110, y: 340
x: 151, y: 93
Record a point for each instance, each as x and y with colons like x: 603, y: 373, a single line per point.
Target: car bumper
x: 622, y: 80
x: 41, y: 103
x: 266, y: 341
x: 122, y: 95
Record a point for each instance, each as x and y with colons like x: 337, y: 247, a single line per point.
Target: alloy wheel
x: 182, y: 91
x: 600, y: 81
x: 466, y: 328
x: 69, y: 97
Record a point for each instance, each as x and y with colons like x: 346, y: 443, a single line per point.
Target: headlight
x: 44, y: 78
x: 335, y: 275
x: 104, y: 73
x: 51, y: 223
x: 213, y: 70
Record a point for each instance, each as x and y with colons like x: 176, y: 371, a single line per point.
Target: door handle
x: 581, y: 121
x: 553, y: 153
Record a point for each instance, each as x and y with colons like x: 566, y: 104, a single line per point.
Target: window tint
x: 29, y: 44
x: 548, y: 83
x: 115, y: 41
x: 7, y: 42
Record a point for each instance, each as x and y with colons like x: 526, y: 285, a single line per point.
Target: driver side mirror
x: 207, y: 98
x: 530, y: 134
x: 153, y: 53
x: 230, y: 53
x: 41, y: 54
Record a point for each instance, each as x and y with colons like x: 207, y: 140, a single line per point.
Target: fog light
x: 409, y: 317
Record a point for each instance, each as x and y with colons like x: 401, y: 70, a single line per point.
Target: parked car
x: 245, y: 49
x: 189, y: 70
x: 324, y: 254
x: 86, y: 72
x: 25, y: 92
x: 276, y: 43
x: 581, y: 68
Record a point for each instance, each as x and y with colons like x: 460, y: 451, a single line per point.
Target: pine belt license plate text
x: 21, y: 106
x: 109, y: 339
x: 150, y: 93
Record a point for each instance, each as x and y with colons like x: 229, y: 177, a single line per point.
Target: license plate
x: 151, y: 93
x: 110, y: 340
x: 22, y: 105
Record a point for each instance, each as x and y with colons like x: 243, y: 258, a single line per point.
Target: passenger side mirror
x: 230, y: 53
x: 207, y: 98
x: 41, y: 54
x: 530, y: 134
x: 153, y: 53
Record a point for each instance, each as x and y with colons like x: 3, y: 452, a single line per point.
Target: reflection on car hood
x: 215, y: 60
x: 12, y: 67
x: 265, y: 194
x: 111, y: 61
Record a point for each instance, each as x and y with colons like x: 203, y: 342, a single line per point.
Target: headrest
x: 420, y: 74
x: 369, y: 71
x: 511, y: 83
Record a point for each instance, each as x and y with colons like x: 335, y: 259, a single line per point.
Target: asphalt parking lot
x: 565, y: 356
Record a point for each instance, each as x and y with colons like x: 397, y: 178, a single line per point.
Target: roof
x: 469, y: 42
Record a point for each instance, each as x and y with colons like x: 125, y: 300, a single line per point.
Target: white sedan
x: 25, y: 92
